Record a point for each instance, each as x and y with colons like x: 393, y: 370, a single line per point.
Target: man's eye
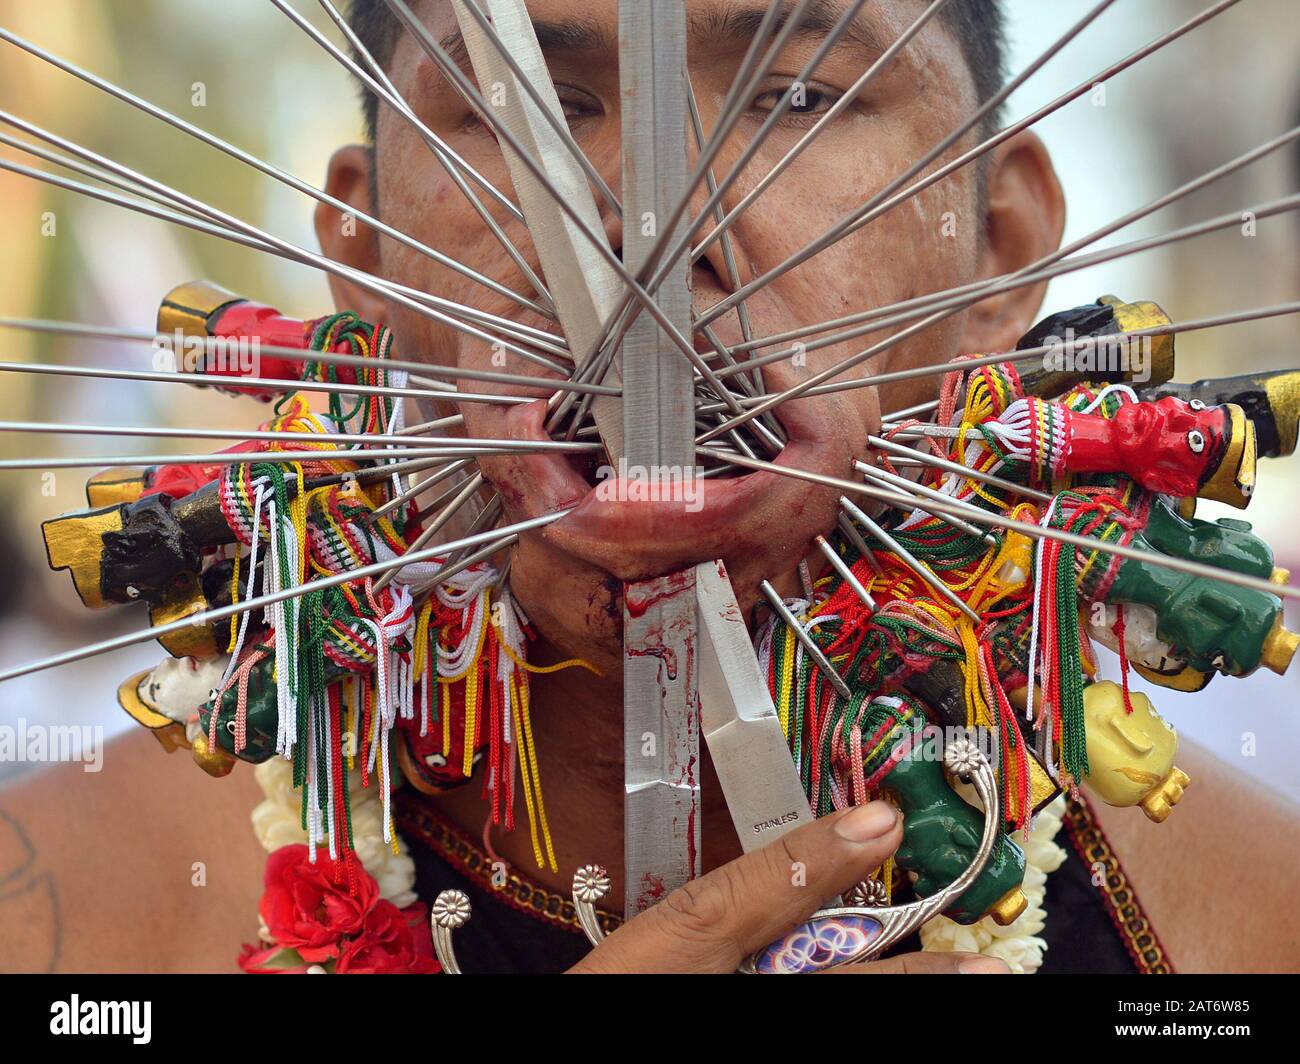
x: 803, y: 100
x: 577, y: 104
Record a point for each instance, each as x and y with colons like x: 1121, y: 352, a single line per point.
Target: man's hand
x: 714, y: 922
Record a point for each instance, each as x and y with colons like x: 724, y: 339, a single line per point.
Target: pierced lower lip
x: 797, y: 452
x: 711, y: 487
x: 758, y: 518
x: 754, y: 517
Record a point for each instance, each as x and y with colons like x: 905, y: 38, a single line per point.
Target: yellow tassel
x: 421, y: 649
x: 541, y: 670
x: 529, y: 750
x: 445, y: 685
x: 526, y: 778
x: 471, y: 717
x: 977, y: 710
x: 784, y: 700
x: 298, y: 516
x: 234, y: 599
x: 350, y: 718
x: 471, y: 698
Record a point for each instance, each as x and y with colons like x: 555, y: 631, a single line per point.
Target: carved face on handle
x: 1168, y: 445
x: 1177, y: 448
x: 1130, y: 755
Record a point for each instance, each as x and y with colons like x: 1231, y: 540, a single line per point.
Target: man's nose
x: 607, y: 159
x: 726, y: 256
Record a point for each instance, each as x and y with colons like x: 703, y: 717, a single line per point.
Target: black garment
x: 1080, y: 934
x: 500, y: 938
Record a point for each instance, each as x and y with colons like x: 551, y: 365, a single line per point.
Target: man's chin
x: 571, y: 588
x: 575, y: 608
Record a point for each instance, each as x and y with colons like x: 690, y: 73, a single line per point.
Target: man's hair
x: 978, y: 25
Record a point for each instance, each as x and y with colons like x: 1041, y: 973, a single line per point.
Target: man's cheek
x: 437, y: 215
x: 483, y: 420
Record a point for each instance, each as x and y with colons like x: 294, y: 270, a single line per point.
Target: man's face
x: 568, y: 576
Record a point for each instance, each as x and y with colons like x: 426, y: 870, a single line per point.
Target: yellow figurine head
x: 1131, y: 755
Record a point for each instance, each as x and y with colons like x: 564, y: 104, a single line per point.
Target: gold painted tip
x: 1233, y: 480
x: 109, y: 487
x: 1283, y: 391
x: 1280, y: 646
x: 216, y: 765
x: 1007, y: 911
x: 1132, y: 317
x: 1159, y: 803
x: 188, y: 306
x: 1280, y: 576
x: 76, y: 542
x: 194, y: 641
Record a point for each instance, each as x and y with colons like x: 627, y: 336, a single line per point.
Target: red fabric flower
x: 309, y: 907
x: 393, y: 942
x: 256, y: 960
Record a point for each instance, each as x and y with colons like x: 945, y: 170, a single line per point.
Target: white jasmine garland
x: 1017, y: 944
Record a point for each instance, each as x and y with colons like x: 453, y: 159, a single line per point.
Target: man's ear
x: 1024, y: 221
x: 343, y: 237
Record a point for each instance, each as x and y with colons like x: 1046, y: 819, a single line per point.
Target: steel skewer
x: 274, y: 172
x: 1040, y: 270
x: 377, y: 82
x: 218, y: 345
x: 908, y: 503
x: 933, y: 461
x: 806, y: 641
x: 294, y: 251
x: 862, y: 216
x: 222, y: 613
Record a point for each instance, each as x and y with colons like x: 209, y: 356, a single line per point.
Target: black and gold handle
x: 1271, y: 402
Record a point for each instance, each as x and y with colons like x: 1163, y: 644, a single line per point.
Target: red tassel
x: 1118, y: 629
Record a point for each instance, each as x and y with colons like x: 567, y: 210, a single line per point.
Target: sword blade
x: 739, y: 722
x: 660, y: 708
x: 661, y: 848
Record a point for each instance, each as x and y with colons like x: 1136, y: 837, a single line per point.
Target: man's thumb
x: 714, y: 922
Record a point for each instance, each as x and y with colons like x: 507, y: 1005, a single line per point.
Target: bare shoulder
x: 147, y: 865
x: 1217, y: 879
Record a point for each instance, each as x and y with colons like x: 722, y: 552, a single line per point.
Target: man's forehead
x: 592, y: 25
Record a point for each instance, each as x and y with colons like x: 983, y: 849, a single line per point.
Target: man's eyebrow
x: 568, y: 35
x: 737, y: 21
x: 732, y: 22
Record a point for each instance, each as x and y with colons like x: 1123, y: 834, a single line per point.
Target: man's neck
x: 578, y: 730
